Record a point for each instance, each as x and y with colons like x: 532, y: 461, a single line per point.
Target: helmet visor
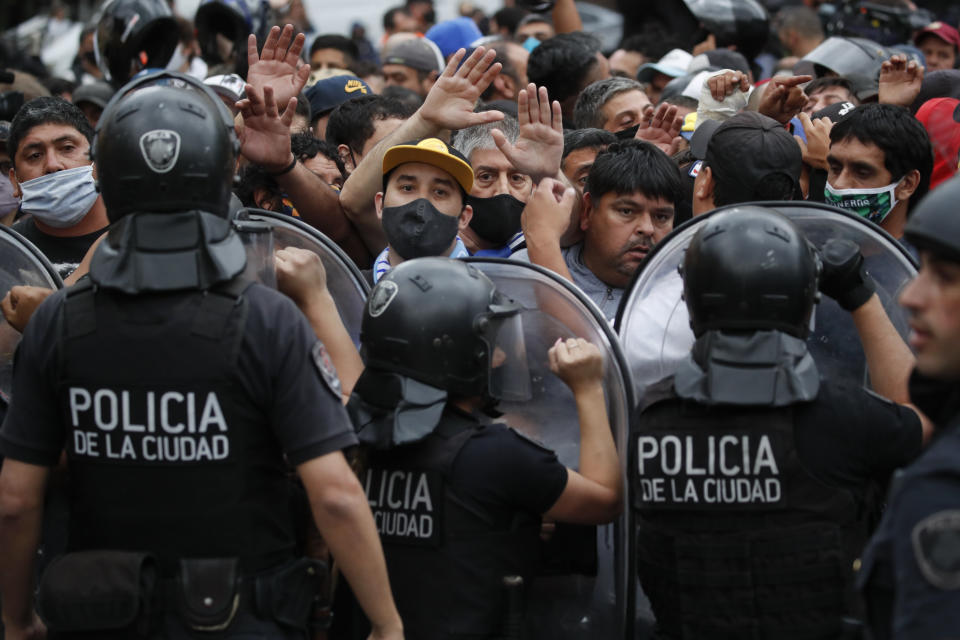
x: 509, y: 373
x: 257, y: 237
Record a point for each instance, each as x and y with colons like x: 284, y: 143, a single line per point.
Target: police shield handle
x: 595, y: 494
x: 513, y: 613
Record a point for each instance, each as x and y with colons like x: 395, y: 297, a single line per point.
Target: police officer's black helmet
x: 165, y: 143
x: 747, y: 269
x: 440, y: 321
x: 132, y: 35
x: 234, y: 20
x: 744, y: 23
x: 934, y: 225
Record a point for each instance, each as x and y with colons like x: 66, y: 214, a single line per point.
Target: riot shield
x: 844, y: 56
x: 21, y: 263
x: 345, y: 282
x: 582, y: 591
x: 654, y: 326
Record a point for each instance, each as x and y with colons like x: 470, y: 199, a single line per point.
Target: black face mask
x: 628, y: 134
x: 496, y: 219
x: 418, y: 229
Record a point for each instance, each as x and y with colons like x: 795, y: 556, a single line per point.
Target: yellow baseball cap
x: 434, y: 152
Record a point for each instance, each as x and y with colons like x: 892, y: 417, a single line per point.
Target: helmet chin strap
x: 489, y: 404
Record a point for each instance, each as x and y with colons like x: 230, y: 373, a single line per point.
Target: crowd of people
x: 213, y: 453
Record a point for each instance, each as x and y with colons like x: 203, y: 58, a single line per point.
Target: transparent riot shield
x: 345, y: 282
x: 654, y: 326
x: 583, y: 590
x: 21, y: 263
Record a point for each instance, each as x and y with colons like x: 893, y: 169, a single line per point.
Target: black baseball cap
x: 745, y: 149
x: 834, y: 111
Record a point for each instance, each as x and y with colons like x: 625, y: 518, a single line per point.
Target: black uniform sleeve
x: 501, y: 467
x: 32, y: 431
x: 849, y: 435
x: 305, y: 412
x: 894, y: 435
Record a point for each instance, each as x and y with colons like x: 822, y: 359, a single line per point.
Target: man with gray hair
x: 505, y: 174
x: 613, y: 104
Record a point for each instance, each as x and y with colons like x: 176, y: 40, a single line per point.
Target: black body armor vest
x: 446, y: 557
x: 167, y: 452
x: 735, y: 539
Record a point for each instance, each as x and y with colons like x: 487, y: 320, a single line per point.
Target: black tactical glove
x: 844, y: 278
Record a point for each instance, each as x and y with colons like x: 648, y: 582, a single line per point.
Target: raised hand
x: 20, y: 303
x: 540, y: 143
x: 265, y: 134
x: 662, y: 129
x: 547, y: 215
x: 300, y: 274
x: 784, y: 98
x: 278, y: 66
x: 577, y: 362
x: 450, y: 102
x: 723, y: 84
x: 900, y: 81
x: 817, y: 146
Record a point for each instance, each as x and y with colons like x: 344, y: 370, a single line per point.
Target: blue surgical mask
x: 60, y: 199
x: 8, y: 201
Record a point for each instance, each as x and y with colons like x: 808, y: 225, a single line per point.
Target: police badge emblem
x: 383, y: 294
x: 160, y: 149
x: 936, y: 546
x: 321, y: 359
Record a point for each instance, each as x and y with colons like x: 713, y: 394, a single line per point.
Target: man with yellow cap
x: 423, y: 206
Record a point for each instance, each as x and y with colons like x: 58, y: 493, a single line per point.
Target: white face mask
x: 60, y: 199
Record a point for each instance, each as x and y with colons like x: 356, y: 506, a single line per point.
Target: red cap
x: 943, y: 31
x: 941, y: 118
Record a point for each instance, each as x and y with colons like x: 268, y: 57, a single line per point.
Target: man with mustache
x: 628, y: 207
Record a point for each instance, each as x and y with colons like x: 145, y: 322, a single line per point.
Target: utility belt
x: 121, y: 594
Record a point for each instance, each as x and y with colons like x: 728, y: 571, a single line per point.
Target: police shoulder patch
x: 321, y: 359
x: 936, y: 546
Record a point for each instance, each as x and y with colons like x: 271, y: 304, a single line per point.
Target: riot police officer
x: 910, y: 571
x: 180, y: 392
x: 458, y: 499
x: 752, y: 477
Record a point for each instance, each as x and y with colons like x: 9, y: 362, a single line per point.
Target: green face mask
x: 872, y: 204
